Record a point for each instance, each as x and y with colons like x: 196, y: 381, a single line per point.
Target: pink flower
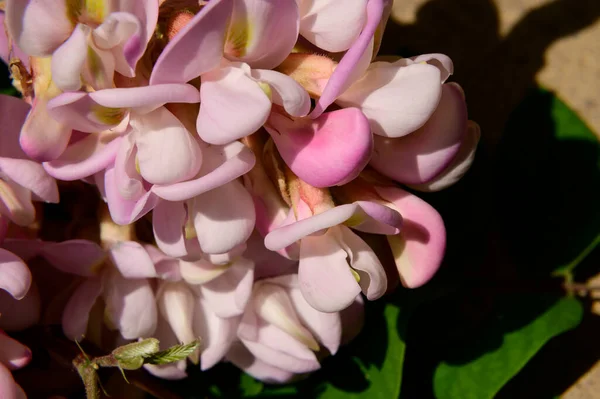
x: 281, y: 335
x: 13, y: 356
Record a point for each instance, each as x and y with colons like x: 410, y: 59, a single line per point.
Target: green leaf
x: 462, y: 377
x: 173, y: 354
x: 131, y: 356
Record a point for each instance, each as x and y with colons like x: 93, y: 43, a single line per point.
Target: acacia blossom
x: 261, y: 146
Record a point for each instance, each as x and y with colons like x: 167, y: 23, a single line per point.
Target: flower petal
x: 86, y: 157
x: 130, y: 305
x: 345, y: 70
x: 217, y: 333
x: 261, y: 32
x: 240, y: 161
x: 124, y: 211
x: 38, y: 26
x: 15, y: 277
x: 78, y: 257
x: 285, y: 91
x: 176, y: 305
x: 15, y: 202
x: 325, y: 278
x: 242, y: 358
x: 43, y: 138
x: 459, y: 166
x: 8, y: 386
x: 166, y: 151
x: 77, y: 310
x: 441, y: 61
x: 425, y: 153
x: 68, y: 60
x: 132, y: 260
x: 200, y: 271
x: 32, y: 176
x: 396, y: 99
x: 13, y: 354
x: 229, y: 293
x: 170, y: 371
x: 197, y: 48
x: 232, y: 105
x: 330, y: 150
x: 363, y: 260
x: 223, y: 218
x: 168, y: 220
x: 419, y: 248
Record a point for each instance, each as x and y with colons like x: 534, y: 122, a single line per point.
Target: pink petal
x: 15, y: 202
x: 166, y: 152
x: 167, y: 268
x: 217, y: 333
x: 171, y: 371
x: 419, y: 248
x: 13, y: 112
x: 86, y: 157
x: 197, y: 48
x: 235, y: 160
x: 223, y: 218
x: 275, y: 347
x: 363, y: 260
x: 16, y: 51
x: 32, y: 176
x: 20, y: 314
x: 38, y: 26
x: 459, y: 166
x: 8, y: 387
x: 326, y: 25
x: 424, y: 154
x: 42, y: 137
x: 13, y: 354
x: 441, y: 61
x: 232, y: 105
x: 396, y: 99
x: 176, y: 305
x: 68, y: 60
x: 362, y: 215
x: 330, y: 150
x: 146, y: 98
x: 132, y: 260
x: 77, y: 310
x: 15, y: 277
x: 285, y: 91
x: 267, y: 263
x: 130, y: 305
x: 325, y: 278
x: 339, y: 80
x: 78, y: 257
x: 168, y: 220
x: 146, y: 13
x: 262, y: 33
x: 129, y: 183
x: 229, y: 293
x: 200, y: 271
x: 124, y: 211
x: 242, y: 358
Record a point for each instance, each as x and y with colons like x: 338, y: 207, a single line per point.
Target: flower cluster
x: 264, y: 141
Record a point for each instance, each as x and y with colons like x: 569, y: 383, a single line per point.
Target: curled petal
x: 325, y: 278
x: 363, y: 215
x: 362, y: 259
x: 459, y: 166
x: 78, y: 257
x: 197, y: 48
x: 15, y: 277
x: 13, y: 354
x: 441, y: 61
x: 345, y: 70
x: 396, y: 99
x: 77, y: 310
x: 201, y: 271
x: 86, y: 157
x: 124, y: 211
x: 224, y: 218
x: 425, y: 153
x: 232, y: 105
x: 419, y: 248
x: 285, y: 91
x: 38, y: 26
x: 327, y: 151
x: 261, y: 32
